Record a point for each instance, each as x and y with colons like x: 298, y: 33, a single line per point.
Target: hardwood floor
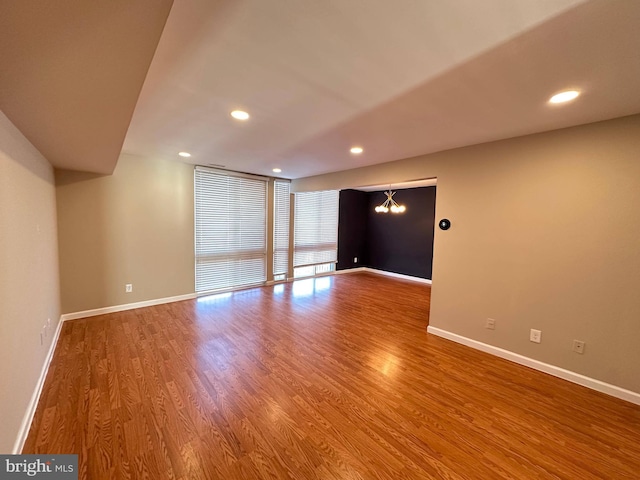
x: 332, y: 378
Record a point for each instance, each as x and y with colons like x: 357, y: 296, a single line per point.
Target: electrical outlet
x: 355, y: 259
x: 128, y: 288
x: 491, y: 324
x: 535, y: 336
x: 578, y: 346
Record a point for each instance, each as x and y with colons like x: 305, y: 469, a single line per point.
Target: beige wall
x: 135, y: 226
x: 545, y: 234
x: 29, y: 286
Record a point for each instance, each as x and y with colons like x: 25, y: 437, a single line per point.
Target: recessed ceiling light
x: 357, y: 150
x: 240, y: 115
x: 277, y: 170
x: 564, y: 96
x: 184, y: 154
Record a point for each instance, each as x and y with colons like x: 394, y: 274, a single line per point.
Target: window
x: 312, y: 270
x: 230, y: 232
x: 315, y: 231
x: 281, y: 213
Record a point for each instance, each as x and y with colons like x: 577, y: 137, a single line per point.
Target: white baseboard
x: 35, y: 397
x: 366, y: 269
x: 588, y: 382
x: 350, y: 270
x: 127, y: 306
x: 392, y: 274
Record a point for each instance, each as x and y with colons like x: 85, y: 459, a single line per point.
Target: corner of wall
x: 29, y: 284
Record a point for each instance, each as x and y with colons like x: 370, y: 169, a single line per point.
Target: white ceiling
x: 71, y: 73
x: 398, y: 78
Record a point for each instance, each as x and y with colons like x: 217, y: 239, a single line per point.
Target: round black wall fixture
x: 444, y: 224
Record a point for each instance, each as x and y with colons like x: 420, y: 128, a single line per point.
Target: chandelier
x: 390, y: 204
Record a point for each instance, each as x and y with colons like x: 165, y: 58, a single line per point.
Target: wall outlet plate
x: 535, y: 335
x: 578, y: 346
x: 490, y: 324
x: 128, y: 288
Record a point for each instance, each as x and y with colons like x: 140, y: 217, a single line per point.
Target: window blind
x: 281, y: 213
x: 315, y: 236
x: 230, y: 232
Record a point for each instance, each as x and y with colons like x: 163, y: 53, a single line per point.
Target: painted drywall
x: 397, y: 243
x: 72, y: 72
x: 545, y: 231
x: 352, y: 229
x: 135, y: 226
x: 402, y: 243
x: 29, y: 285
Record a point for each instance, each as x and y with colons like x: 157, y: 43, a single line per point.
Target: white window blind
x: 281, y: 213
x: 315, y: 236
x: 230, y: 230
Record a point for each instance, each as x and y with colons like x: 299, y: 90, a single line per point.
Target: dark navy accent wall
x: 402, y: 243
x: 399, y: 243
x: 352, y: 229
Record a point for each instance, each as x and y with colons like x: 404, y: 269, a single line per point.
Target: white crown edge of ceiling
x: 427, y: 182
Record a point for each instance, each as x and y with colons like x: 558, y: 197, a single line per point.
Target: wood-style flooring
x: 327, y: 378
